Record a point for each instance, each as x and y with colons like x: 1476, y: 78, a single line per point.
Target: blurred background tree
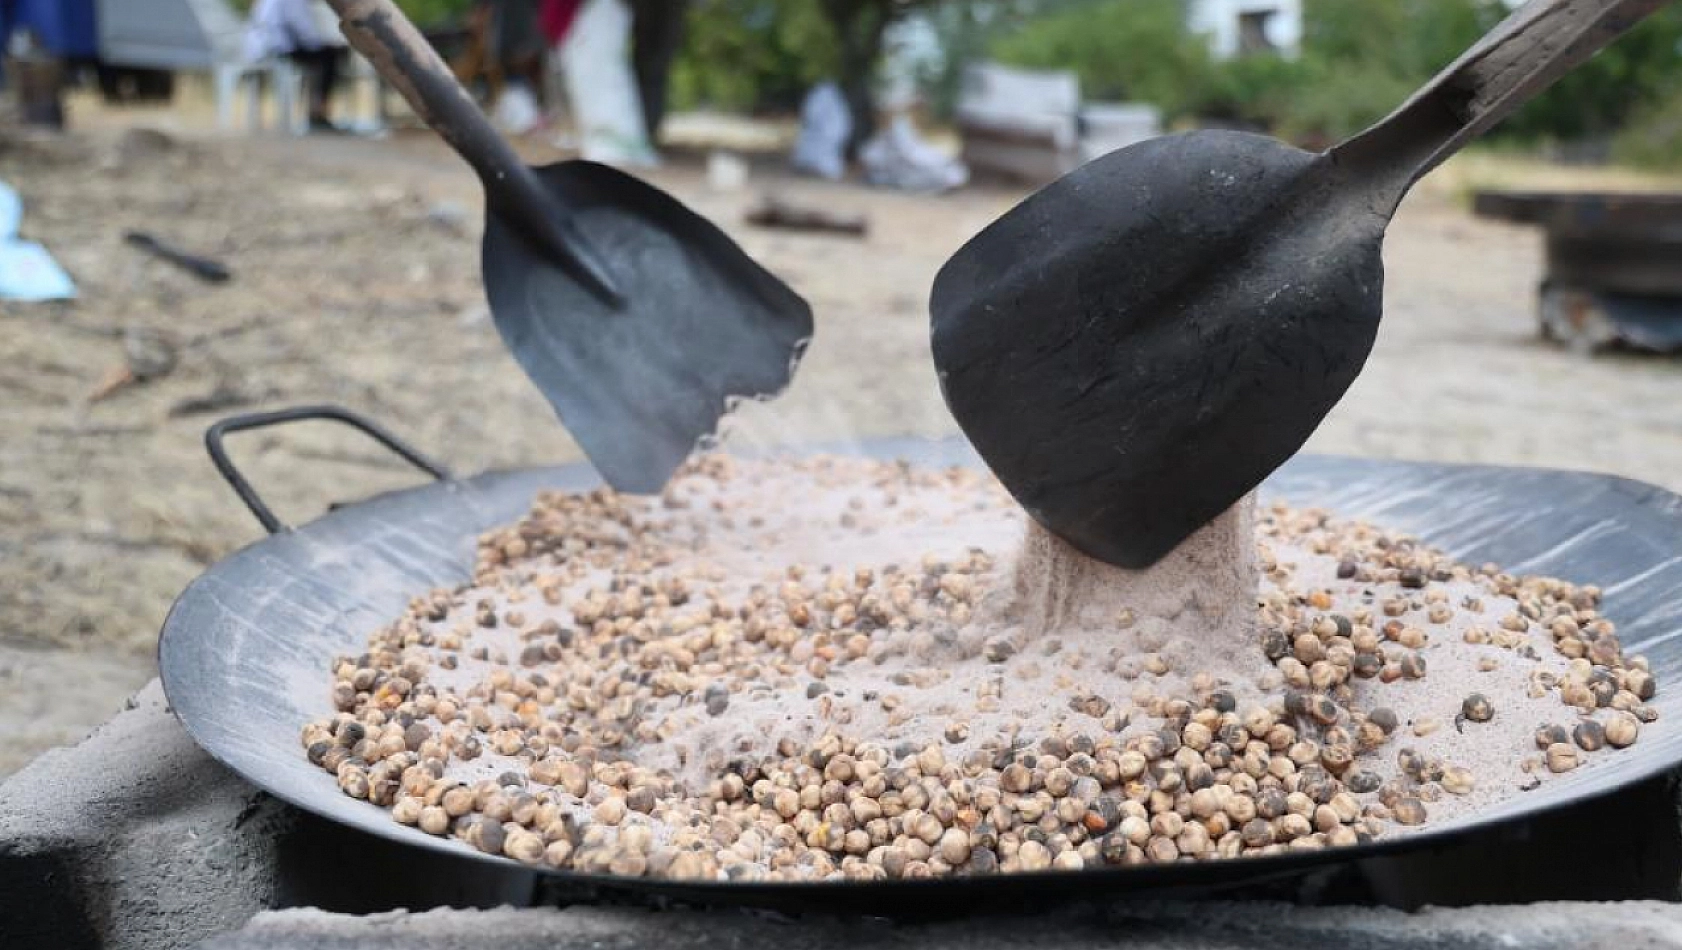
x: 433, y: 12
x: 762, y: 55
x: 752, y: 55
x: 967, y: 32
x: 859, y: 28
x: 1638, y: 76
x: 1653, y: 137
x: 1138, y: 50
x: 1358, y: 60
x: 425, y: 13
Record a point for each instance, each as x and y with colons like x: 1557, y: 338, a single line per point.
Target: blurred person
x: 293, y: 29
x: 520, y: 49
x: 554, y: 18
x: 518, y: 41
x: 592, y: 40
x: 506, y: 50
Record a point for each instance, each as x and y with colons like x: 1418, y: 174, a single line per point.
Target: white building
x: 1247, y: 26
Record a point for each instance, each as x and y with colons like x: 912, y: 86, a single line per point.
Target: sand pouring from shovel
x: 1135, y: 347
x: 639, y: 320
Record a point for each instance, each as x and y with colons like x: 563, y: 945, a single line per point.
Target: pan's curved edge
x: 205, y: 630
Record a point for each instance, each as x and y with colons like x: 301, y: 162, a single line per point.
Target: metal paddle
x: 639, y: 320
x: 1136, y: 346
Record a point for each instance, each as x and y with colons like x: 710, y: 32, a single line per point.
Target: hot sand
x: 705, y: 656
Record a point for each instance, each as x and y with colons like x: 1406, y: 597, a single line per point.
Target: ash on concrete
x: 1213, y: 926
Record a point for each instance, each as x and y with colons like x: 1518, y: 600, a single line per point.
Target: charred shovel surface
x: 639, y: 381
x: 1177, y: 381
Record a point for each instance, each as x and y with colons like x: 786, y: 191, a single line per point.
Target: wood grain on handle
x: 355, y: 20
x: 1532, y: 49
x: 380, y: 31
x: 1518, y: 59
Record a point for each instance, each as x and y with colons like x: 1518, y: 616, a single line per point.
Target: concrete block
x: 133, y: 838
x: 1168, y: 926
x: 136, y: 838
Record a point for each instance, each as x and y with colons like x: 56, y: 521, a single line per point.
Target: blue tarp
x: 27, y: 271
x: 65, y: 27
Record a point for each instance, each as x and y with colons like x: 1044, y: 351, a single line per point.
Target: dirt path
x: 356, y: 283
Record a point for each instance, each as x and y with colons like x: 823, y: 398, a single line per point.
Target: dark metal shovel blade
x: 701, y: 326
x: 1137, y: 345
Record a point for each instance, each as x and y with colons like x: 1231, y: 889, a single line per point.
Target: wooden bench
x: 1614, y: 264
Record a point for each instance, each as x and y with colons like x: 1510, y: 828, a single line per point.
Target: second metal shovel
x: 639, y: 320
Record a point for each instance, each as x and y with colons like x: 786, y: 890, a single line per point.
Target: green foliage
x: 1634, y: 76
x: 1121, y: 49
x: 427, y: 13
x: 1359, y: 60
x: 1380, y: 51
x: 1653, y: 137
x: 752, y: 54
x: 1255, y: 90
x: 966, y: 32
x: 1405, y: 39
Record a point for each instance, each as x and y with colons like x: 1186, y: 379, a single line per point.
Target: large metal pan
x: 245, y: 650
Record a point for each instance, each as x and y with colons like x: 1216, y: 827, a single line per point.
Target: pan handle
x: 261, y: 420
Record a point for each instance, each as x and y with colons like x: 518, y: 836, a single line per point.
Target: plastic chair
x: 209, y: 36
x: 280, y: 75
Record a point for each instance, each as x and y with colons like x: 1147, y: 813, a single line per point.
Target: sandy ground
x: 356, y: 282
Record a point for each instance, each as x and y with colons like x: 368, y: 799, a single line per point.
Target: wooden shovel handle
x: 380, y: 31
x: 1523, y: 55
